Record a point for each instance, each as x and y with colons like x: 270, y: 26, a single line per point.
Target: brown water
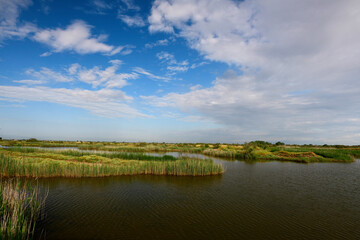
x: 270, y: 200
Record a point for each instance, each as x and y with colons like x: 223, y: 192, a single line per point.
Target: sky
x: 224, y: 71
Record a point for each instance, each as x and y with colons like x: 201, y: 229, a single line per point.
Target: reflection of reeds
x: 19, y: 209
x: 40, y: 166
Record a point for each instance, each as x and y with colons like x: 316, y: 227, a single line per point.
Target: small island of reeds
x: 32, y: 162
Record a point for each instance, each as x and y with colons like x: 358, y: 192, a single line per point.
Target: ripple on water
x: 271, y: 200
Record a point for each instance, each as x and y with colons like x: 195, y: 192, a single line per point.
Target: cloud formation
x: 9, y: 24
x: 76, y: 37
x: 132, y: 21
x: 298, y: 60
x: 104, y: 102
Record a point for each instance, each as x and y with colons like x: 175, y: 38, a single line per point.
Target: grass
x: 111, y: 155
x: 300, y: 155
x: 19, y: 209
x: 37, y: 163
x: 252, y: 151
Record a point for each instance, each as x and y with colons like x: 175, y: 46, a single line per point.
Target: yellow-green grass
x: 301, y: 156
x: 252, y: 151
x: 54, y: 164
x: 20, y: 205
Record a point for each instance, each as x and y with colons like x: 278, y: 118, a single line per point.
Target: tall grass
x: 346, y: 155
x: 110, y: 155
x: 241, y: 155
x: 19, y: 209
x: 121, y: 155
x: 30, y: 167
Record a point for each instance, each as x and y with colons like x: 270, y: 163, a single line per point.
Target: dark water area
x: 269, y: 200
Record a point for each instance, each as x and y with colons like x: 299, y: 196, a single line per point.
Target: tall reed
x: 19, y: 209
x: 28, y: 167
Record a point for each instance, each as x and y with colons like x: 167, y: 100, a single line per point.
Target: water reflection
x: 272, y: 200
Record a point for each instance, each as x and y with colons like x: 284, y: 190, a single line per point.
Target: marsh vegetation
x: 20, y: 206
x: 252, y: 151
x: 30, y: 162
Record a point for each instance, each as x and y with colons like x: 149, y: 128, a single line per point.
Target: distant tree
x: 258, y: 143
x: 0, y: 138
x: 32, y: 140
x: 279, y: 143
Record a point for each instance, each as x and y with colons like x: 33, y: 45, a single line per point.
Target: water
x: 270, y: 200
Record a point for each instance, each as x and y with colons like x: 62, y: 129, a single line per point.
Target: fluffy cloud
x: 299, y: 63
x: 105, y: 102
x: 9, y: 13
x: 76, y: 37
x: 95, y: 76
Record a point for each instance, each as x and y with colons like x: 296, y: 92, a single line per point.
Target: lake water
x: 264, y: 200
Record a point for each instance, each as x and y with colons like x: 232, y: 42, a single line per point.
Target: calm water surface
x: 270, y: 200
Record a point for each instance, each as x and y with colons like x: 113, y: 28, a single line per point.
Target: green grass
x: 300, y: 155
x: 19, y: 209
x: 345, y: 154
x: 56, y: 164
x: 110, y: 155
x: 252, y: 151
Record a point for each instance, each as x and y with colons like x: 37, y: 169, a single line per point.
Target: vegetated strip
x: 252, y: 151
x: 111, y: 155
x: 54, y: 164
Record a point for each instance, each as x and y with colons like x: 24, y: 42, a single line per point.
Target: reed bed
x: 19, y: 209
x: 241, y: 155
x: 345, y: 155
x: 11, y: 166
x: 171, y: 148
x: 110, y: 155
x: 299, y: 155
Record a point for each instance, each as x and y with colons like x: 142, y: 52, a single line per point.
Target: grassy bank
x: 41, y: 163
x: 19, y: 209
x: 252, y: 151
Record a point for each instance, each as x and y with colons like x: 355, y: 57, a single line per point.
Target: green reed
x: 28, y: 166
x: 19, y: 209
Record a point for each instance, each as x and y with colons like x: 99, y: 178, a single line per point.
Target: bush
x: 32, y: 140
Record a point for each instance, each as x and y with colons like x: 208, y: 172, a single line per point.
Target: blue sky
x: 180, y: 70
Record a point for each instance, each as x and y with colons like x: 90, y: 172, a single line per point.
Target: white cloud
x: 177, y: 68
x: 132, y: 21
x: 46, y: 54
x: 30, y: 82
x: 146, y: 73
x: 46, y: 74
x: 101, y: 5
x: 130, y: 5
x: 105, y: 102
x: 9, y: 14
x: 173, y: 64
x: 76, y: 37
x: 299, y: 63
x: 161, y: 42
x: 96, y: 76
